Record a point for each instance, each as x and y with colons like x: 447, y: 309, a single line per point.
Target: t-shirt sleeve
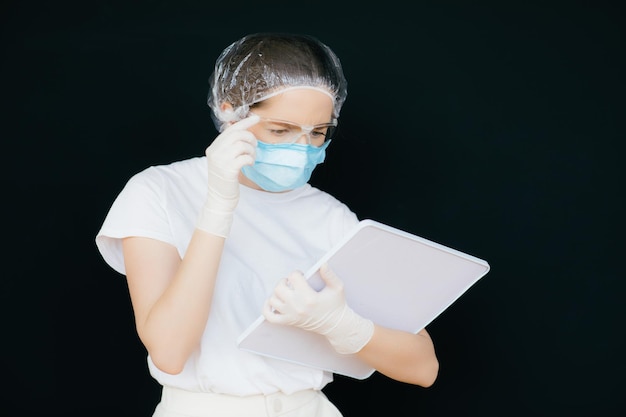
x: 139, y: 210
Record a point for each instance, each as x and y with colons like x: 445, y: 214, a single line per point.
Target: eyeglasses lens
x: 278, y: 131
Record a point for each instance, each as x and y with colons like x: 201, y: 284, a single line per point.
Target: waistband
x: 199, y: 403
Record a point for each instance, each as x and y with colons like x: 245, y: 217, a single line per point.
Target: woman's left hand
x: 294, y: 302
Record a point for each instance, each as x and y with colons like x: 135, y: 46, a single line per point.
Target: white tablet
x: 396, y: 279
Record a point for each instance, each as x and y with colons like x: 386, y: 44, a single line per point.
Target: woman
x: 209, y: 243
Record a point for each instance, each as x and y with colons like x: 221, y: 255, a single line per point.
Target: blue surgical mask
x: 284, y: 166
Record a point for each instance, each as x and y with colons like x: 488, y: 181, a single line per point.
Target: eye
x: 279, y: 132
x: 318, y: 134
x: 323, y: 132
x: 278, y: 129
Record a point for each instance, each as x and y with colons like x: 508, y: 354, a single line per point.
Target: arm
x: 171, y: 297
x: 403, y: 356
x: 400, y: 355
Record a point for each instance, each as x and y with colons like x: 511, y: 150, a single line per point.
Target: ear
x: 228, y: 112
x: 226, y: 107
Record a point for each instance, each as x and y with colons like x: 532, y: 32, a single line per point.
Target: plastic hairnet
x: 261, y: 65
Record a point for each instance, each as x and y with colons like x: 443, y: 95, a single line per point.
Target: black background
x: 495, y: 128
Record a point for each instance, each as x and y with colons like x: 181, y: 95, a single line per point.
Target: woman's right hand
x: 229, y: 152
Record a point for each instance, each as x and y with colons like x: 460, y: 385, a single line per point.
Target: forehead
x: 306, y: 106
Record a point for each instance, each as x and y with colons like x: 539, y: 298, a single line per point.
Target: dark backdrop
x: 494, y: 128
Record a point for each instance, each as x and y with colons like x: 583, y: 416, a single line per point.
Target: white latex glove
x: 294, y: 302
x: 227, y: 154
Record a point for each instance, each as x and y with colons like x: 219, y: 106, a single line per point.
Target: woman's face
x: 304, y: 106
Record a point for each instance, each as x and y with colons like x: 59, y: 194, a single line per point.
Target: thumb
x: 329, y: 277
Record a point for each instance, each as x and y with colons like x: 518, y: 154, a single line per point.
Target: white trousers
x: 180, y: 403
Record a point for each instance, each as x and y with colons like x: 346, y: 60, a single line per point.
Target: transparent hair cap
x: 262, y: 65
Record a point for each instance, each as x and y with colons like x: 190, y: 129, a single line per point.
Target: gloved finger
x: 245, y: 159
x: 244, y: 124
x: 329, y: 277
x: 297, y: 282
x: 232, y: 151
x: 245, y: 155
x: 243, y: 138
x: 282, y: 289
x: 233, y: 148
x: 236, y: 132
x: 227, y: 138
x: 272, y: 314
x: 268, y: 311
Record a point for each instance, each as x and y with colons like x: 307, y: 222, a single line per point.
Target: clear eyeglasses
x: 275, y: 131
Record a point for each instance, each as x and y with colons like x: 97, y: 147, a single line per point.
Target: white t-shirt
x: 272, y: 234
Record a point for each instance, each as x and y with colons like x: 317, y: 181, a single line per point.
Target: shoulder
x: 178, y: 169
x: 173, y: 174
